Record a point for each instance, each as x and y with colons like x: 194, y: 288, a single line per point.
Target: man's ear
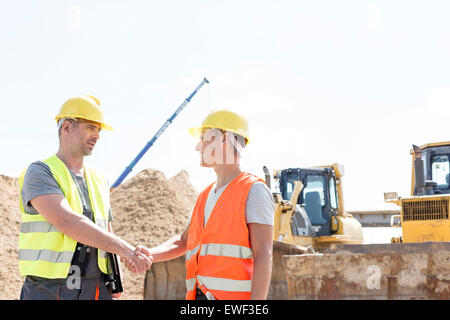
x: 66, y: 126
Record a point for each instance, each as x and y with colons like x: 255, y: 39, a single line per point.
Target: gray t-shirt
x: 39, y: 180
x: 259, y: 207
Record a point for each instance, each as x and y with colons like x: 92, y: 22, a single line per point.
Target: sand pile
x: 10, y: 279
x: 148, y: 209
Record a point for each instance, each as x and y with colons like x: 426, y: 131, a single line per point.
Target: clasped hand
x: 141, y: 260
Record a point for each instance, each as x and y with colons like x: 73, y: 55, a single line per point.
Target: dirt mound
x: 10, y: 279
x: 148, y: 209
x: 185, y: 191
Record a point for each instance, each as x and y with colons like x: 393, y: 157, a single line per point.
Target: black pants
x: 199, y: 295
x: 36, y: 288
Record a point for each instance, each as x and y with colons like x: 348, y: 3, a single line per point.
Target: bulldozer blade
x: 379, y: 271
x: 278, y: 286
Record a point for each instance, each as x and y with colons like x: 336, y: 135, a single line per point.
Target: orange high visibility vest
x: 219, y: 256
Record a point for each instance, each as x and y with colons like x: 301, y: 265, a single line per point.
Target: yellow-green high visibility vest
x: 43, y: 250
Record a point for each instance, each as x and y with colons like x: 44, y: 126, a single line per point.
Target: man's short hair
x: 62, y: 120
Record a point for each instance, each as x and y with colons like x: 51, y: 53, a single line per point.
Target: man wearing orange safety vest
x: 228, y: 240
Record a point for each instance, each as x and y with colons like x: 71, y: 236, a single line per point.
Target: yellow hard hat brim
x: 104, y: 126
x: 196, y: 132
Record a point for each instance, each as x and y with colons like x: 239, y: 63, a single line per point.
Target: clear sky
x: 355, y: 82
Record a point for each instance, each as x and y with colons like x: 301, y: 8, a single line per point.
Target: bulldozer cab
x: 425, y: 214
x: 436, y: 169
x: 319, y: 196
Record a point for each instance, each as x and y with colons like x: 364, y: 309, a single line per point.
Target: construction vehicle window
x: 289, y: 189
x: 440, y: 171
x: 315, y: 184
x: 314, y: 198
x: 333, y: 194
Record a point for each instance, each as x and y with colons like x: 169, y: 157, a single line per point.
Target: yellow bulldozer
x: 309, y: 216
x: 425, y: 214
x: 309, y: 208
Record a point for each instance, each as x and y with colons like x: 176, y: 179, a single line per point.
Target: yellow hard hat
x: 224, y: 120
x: 84, y: 107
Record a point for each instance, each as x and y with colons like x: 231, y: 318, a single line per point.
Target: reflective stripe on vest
x: 46, y: 255
x: 190, y: 253
x: 37, y: 226
x: 219, y: 258
x: 225, y: 250
x: 43, y: 250
x: 45, y: 226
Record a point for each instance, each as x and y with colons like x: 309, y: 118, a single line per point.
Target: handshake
x: 139, y: 261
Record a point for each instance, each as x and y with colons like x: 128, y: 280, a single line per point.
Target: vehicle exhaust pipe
x: 419, y: 172
x: 267, y: 176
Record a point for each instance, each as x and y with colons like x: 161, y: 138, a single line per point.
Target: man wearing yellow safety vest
x: 228, y: 240
x: 66, y: 231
